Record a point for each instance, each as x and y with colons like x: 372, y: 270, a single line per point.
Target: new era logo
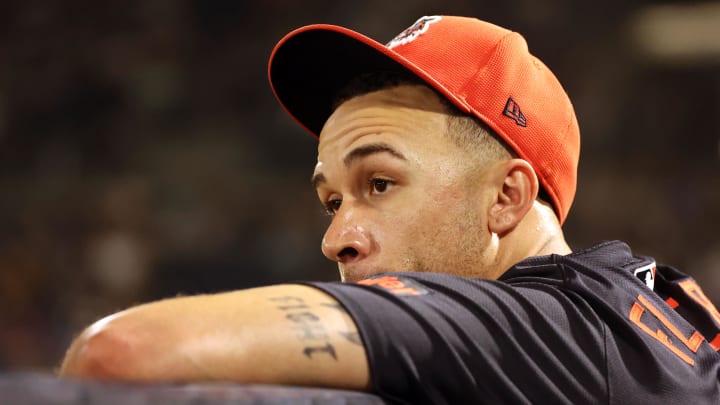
x: 512, y: 110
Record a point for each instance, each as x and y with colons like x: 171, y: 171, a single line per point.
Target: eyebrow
x: 357, y: 154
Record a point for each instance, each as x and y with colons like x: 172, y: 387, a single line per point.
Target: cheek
x: 430, y: 222
x: 451, y: 232
x: 425, y: 219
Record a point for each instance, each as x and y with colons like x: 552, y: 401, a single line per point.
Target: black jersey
x: 599, y: 326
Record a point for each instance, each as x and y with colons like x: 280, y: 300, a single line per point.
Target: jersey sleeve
x: 436, y: 338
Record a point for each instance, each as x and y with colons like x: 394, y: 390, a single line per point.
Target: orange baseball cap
x: 483, y: 69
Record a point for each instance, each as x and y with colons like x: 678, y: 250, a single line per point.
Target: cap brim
x: 311, y: 64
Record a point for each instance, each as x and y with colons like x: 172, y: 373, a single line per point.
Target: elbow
x: 103, y: 351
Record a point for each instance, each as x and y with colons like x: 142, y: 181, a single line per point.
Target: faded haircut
x: 465, y: 131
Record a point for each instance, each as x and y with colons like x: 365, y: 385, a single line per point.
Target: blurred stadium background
x: 142, y: 154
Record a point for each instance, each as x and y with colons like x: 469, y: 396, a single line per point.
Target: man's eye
x: 379, y: 186
x: 332, y: 206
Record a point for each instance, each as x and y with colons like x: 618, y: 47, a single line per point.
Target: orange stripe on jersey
x: 671, y: 301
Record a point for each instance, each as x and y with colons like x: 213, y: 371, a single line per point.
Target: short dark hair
x: 465, y: 130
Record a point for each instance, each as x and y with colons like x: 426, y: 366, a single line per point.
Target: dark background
x: 142, y: 154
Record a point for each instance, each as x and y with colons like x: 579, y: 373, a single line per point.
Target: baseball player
x: 447, y: 159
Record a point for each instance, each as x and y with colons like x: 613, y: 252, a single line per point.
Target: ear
x: 517, y: 191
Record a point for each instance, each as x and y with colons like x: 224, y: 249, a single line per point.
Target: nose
x: 345, y: 241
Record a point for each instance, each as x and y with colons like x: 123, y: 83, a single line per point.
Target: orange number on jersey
x: 696, y: 293
x: 691, y: 343
x: 693, y: 290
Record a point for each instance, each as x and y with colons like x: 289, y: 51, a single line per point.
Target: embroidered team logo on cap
x: 420, y: 27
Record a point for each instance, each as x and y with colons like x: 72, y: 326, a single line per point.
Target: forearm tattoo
x: 310, y: 329
x: 350, y: 336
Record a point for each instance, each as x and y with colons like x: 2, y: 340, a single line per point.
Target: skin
x: 283, y: 334
x: 405, y: 198
x: 402, y: 197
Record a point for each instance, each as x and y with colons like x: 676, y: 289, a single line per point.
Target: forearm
x: 288, y: 334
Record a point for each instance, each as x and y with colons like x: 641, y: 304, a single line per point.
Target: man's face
x: 402, y: 196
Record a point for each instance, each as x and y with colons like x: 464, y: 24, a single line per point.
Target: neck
x: 538, y: 234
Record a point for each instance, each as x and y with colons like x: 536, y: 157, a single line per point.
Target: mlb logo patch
x: 646, y: 274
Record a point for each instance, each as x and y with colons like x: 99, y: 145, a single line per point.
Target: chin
x: 355, y: 275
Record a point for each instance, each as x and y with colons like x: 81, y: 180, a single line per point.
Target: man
x: 447, y: 159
